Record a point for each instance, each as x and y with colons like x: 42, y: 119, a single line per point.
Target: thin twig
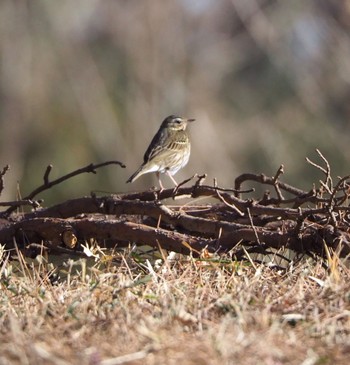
x: 336, y: 188
x: 48, y: 184
x: 2, y: 174
x: 183, y: 183
x: 326, y: 187
x: 200, y: 180
x: 316, y: 165
x: 232, y: 206
x: 249, y: 258
x: 227, y: 190
x: 91, y: 168
x: 253, y: 227
x: 18, y: 203
x: 47, y: 173
x: 279, y: 172
x: 263, y: 179
x: 328, y: 180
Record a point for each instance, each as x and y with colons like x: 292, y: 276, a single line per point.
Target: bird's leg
x: 160, y: 182
x: 174, y: 181
x: 171, y: 177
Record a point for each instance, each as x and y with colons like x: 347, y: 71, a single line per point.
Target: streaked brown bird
x: 168, y: 151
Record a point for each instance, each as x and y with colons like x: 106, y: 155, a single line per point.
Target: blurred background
x: 89, y: 80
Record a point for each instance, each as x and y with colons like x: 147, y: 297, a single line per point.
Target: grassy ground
x: 174, y: 312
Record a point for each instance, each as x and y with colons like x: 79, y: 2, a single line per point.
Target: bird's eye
x: 178, y: 121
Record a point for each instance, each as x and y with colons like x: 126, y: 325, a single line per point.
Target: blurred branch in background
x: 81, y: 81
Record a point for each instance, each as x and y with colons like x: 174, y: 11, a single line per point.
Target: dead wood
x: 28, y: 200
x: 2, y: 174
x: 303, y: 222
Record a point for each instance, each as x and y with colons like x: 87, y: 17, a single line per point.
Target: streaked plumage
x: 168, y: 151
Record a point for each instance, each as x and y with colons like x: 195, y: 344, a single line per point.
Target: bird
x: 168, y: 152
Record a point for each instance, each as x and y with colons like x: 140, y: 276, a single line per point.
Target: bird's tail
x: 135, y: 175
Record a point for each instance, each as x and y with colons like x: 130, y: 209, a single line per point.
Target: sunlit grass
x: 158, y: 308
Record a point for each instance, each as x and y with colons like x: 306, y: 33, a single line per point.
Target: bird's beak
x: 190, y: 120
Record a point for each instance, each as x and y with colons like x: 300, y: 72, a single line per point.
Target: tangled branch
x: 304, y: 222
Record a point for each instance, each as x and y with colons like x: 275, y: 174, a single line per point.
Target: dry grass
x: 174, y: 312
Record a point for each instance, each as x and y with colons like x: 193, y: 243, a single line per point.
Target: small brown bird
x: 168, y: 151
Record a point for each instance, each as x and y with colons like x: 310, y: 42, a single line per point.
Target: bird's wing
x: 156, y: 145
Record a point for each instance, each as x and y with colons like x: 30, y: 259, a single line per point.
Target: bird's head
x: 176, y: 123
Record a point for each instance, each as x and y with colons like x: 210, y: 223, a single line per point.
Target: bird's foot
x: 176, y: 189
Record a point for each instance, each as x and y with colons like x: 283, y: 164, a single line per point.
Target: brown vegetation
x: 140, y: 306
x: 133, y: 310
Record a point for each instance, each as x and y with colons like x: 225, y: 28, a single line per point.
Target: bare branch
x: 232, y: 206
x: 253, y: 227
x: 47, y: 173
x: 328, y: 180
x: 145, y: 218
x: 316, y: 165
x: 19, y: 203
x: 263, y: 179
x: 49, y: 184
x: 279, y: 172
x: 2, y: 174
